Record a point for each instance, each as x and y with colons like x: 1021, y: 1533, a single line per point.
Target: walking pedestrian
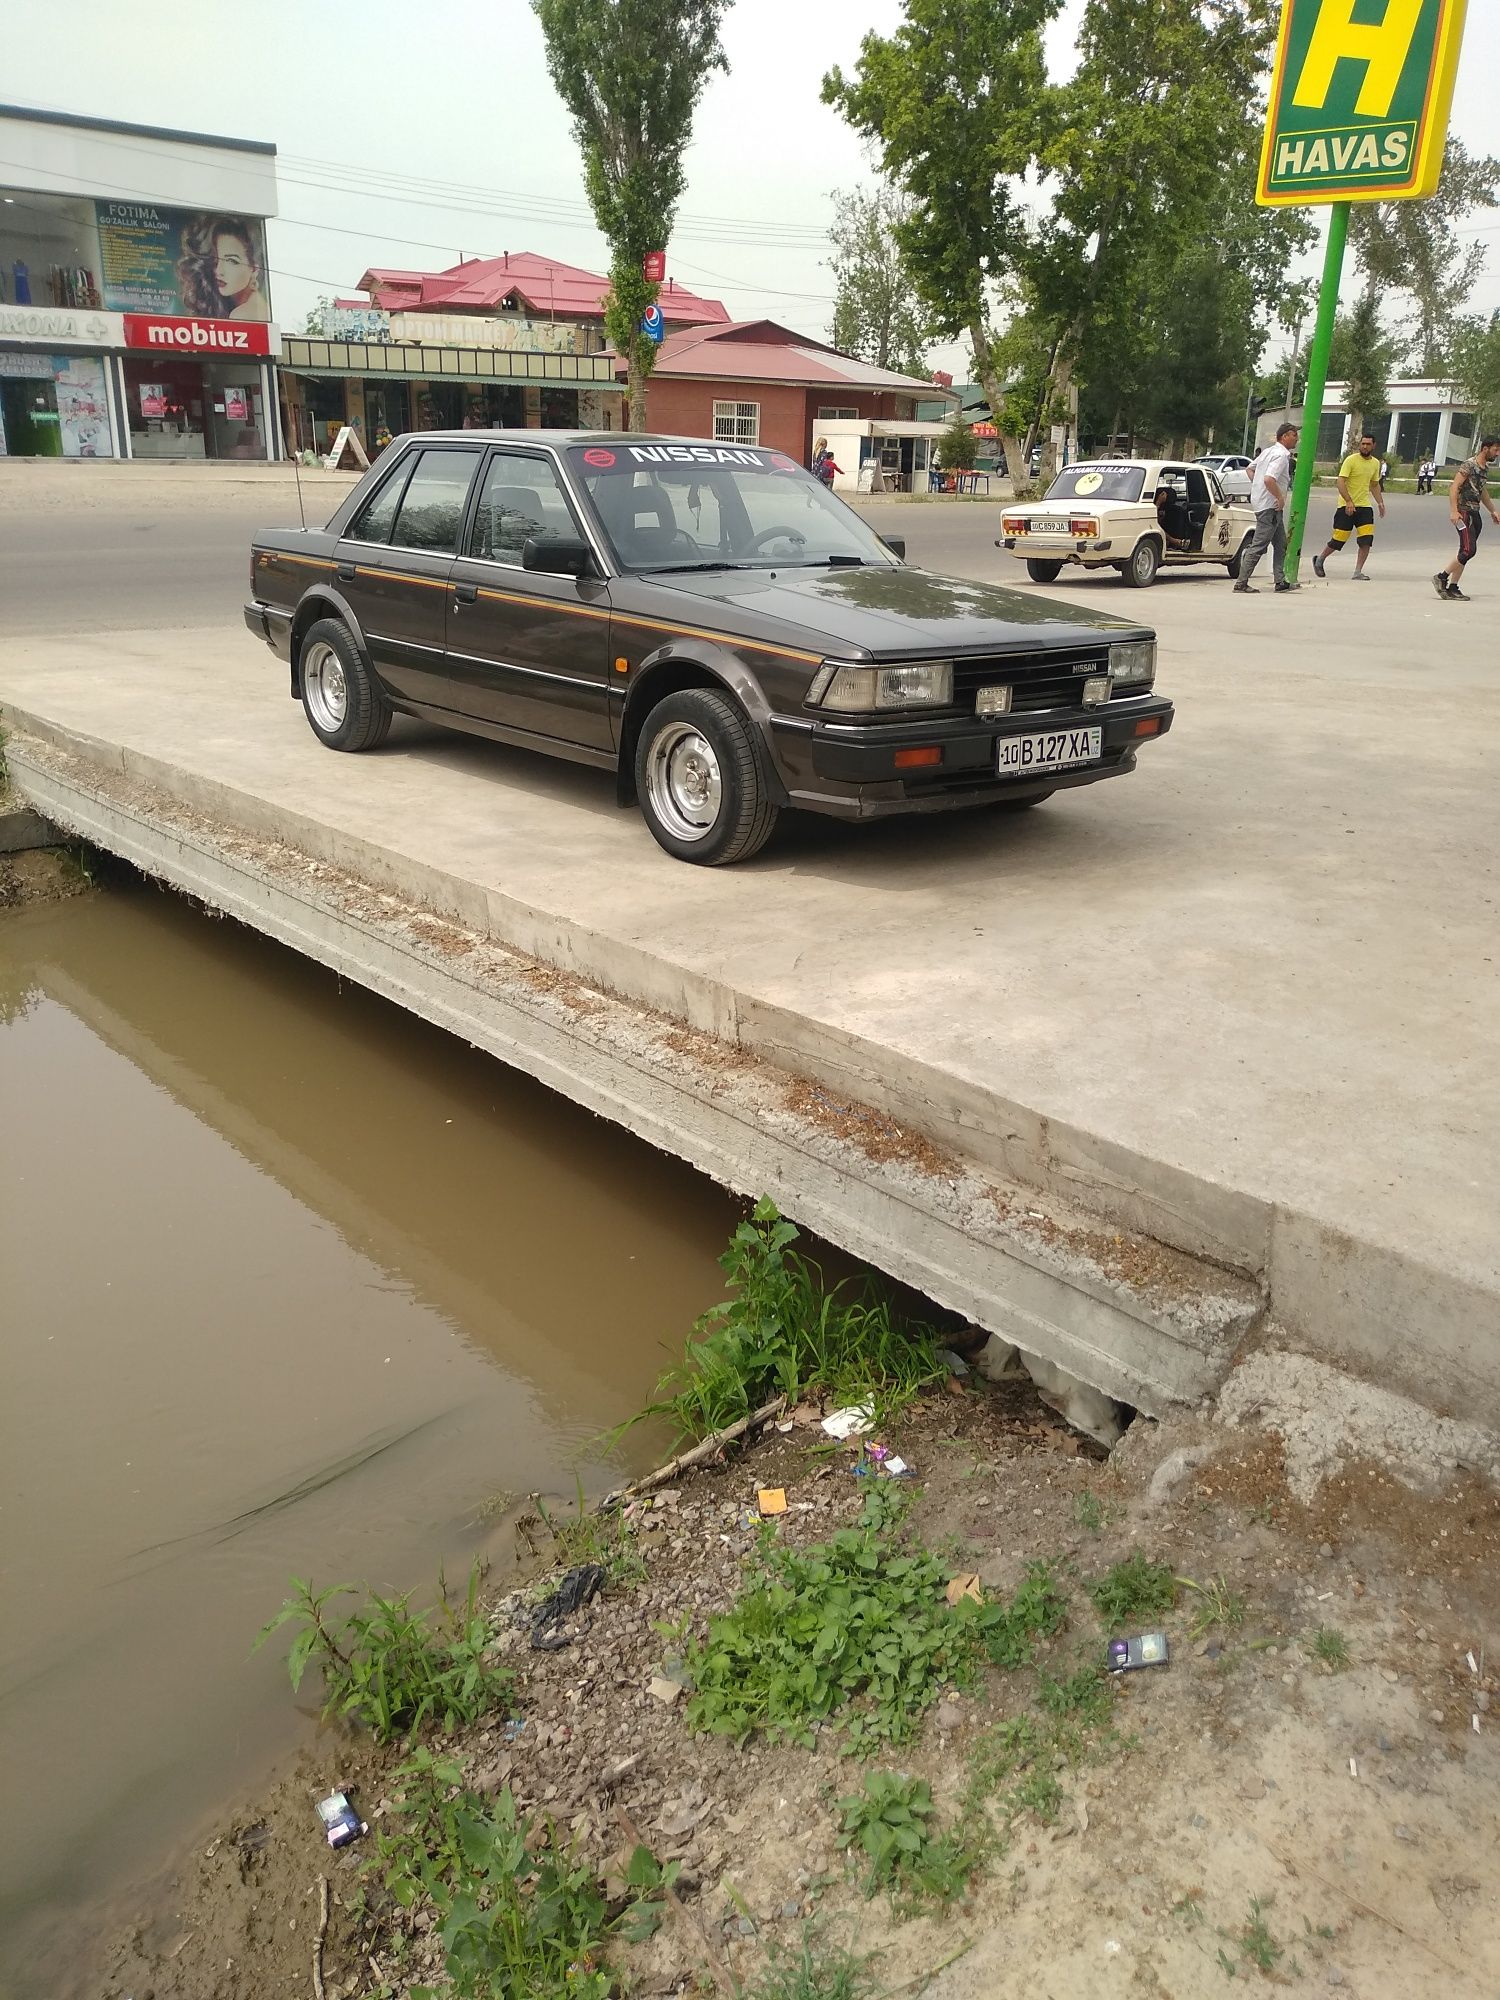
x: 824, y: 465
x: 1270, y: 489
x: 1359, y: 484
x: 1467, y: 495
x: 1426, y: 473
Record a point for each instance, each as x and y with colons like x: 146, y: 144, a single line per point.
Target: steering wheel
x: 798, y: 541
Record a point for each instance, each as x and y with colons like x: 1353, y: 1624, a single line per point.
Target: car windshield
x: 670, y: 507
x: 1098, y: 482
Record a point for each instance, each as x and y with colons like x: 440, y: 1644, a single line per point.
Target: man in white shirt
x: 1270, y: 490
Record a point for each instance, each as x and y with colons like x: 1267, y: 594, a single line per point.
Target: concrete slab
x: 1243, y: 1002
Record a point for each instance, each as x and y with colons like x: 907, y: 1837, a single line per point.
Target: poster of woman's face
x: 180, y: 264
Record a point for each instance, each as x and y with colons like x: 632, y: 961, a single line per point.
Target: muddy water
x: 288, y: 1283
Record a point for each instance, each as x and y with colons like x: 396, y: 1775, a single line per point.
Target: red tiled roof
x: 542, y: 284
x: 765, y: 351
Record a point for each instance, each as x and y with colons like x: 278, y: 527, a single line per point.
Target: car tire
x: 700, y: 780
x: 1145, y: 561
x: 1022, y: 805
x: 340, y: 698
x: 1239, y: 556
x: 1041, y: 571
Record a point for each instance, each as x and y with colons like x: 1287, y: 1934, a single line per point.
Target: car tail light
x: 907, y: 760
x: 1014, y: 524
x: 1083, y: 526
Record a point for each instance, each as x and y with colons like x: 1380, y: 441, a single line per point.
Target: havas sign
x: 1360, y: 94
x: 200, y: 336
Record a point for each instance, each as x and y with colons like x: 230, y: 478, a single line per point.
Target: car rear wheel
x: 698, y: 777
x: 346, y: 709
x: 1041, y: 571
x: 1140, y: 571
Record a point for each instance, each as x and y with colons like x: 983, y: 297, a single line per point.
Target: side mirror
x: 557, y: 555
x: 896, y: 544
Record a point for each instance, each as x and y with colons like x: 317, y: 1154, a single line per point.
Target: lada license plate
x: 1049, y: 528
x: 1049, y: 750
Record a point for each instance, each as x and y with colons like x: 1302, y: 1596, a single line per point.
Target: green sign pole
x: 1317, y: 377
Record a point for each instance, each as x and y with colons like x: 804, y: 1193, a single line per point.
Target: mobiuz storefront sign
x: 202, y: 337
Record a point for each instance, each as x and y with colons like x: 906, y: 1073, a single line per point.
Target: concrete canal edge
x: 1138, y: 1278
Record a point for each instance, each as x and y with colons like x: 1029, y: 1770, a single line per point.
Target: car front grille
x: 1036, y: 680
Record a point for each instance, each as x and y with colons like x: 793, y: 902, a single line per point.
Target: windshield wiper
x: 837, y: 562
x: 679, y: 569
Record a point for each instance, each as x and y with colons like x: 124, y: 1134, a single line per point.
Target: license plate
x: 1048, y: 750
x: 1048, y: 528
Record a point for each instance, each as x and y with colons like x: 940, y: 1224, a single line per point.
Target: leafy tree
x: 631, y: 73
x: 876, y: 313
x: 958, y: 448
x: 956, y: 101
x: 318, y: 324
x: 1363, y: 355
x: 1411, y: 250
x: 1153, y: 148
x: 1476, y: 368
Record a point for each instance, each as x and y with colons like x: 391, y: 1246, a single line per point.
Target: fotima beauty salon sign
x: 1359, y: 102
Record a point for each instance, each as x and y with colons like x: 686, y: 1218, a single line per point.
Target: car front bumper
x: 850, y: 769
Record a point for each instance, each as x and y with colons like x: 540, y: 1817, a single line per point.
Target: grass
x: 1088, y: 1512
x: 784, y: 1331
x: 892, y: 1822
x: 518, y: 1910
x: 817, y: 1967
x: 587, y: 1536
x: 853, y: 1632
x: 1218, y: 1608
x: 388, y: 1667
x: 1331, y: 1647
x: 1134, y: 1590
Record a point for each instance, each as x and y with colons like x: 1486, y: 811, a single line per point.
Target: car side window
x: 374, y: 521
x: 432, y: 507
x: 521, y: 496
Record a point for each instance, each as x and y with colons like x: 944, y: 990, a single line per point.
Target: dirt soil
x: 40, y: 875
x: 1357, y: 1807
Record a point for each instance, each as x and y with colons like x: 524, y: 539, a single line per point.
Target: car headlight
x: 858, y: 690
x: 1134, y: 662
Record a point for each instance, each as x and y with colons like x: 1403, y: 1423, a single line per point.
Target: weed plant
x: 1134, y: 1590
x: 1331, y: 1647
x: 388, y: 1667
x: 817, y: 1967
x: 854, y: 1631
x: 1218, y: 1606
x: 518, y: 1910
x: 892, y: 1822
x: 587, y: 1536
x: 784, y: 1331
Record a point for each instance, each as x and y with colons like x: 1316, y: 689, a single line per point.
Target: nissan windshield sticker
x: 682, y: 454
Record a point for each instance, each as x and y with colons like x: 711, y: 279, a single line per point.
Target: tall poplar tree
x: 631, y: 73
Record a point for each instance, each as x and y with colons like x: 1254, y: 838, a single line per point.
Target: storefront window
x: 441, y: 405
x: 194, y: 409
x: 559, y: 409
x: 54, y: 406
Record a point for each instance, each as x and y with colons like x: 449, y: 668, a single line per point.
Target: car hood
x: 877, y: 611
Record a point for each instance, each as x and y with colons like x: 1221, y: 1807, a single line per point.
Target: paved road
x: 151, y: 554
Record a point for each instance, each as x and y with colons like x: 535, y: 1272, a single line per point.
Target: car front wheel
x: 1140, y: 571
x: 346, y: 709
x: 1041, y: 571
x: 699, y: 780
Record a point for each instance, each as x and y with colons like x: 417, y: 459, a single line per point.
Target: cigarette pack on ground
x: 1147, y: 1649
x: 771, y: 1499
x: 341, y: 1823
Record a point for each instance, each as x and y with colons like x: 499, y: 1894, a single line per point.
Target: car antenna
x: 297, y: 470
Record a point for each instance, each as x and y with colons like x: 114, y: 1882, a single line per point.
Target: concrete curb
x: 946, y: 1229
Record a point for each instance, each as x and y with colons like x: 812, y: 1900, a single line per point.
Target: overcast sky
x: 363, y: 102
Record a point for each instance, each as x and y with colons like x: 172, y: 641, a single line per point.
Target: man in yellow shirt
x: 1359, y: 482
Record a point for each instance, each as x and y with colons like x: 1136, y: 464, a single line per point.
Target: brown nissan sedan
x: 704, y: 620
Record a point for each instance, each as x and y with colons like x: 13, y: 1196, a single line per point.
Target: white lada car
x: 1135, y: 515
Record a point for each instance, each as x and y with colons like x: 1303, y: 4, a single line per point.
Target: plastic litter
x: 954, y: 1363
x: 341, y: 1823
x: 878, y: 1461
x: 1145, y: 1649
x: 771, y: 1500
x: 852, y: 1421
x: 579, y: 1587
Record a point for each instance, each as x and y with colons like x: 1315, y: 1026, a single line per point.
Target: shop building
x: 135, y: 301
x: 757, y: 382
x: 516, y: 341
x: 1424, y: 418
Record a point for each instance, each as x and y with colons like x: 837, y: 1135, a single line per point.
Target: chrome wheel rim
x: 324, y: 688
x: 684, y: 782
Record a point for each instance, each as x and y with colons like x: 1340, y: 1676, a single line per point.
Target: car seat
x: 640, y: 520
x: 506, y: 516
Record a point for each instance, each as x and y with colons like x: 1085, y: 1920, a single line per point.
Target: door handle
x: 466, y: 593
x: 346, y: 572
